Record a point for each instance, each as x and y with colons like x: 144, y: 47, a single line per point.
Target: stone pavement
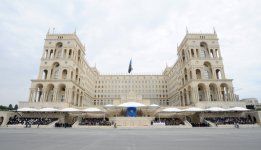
x: 130, y: 139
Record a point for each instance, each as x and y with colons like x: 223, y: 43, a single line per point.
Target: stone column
x: 55, y: 94
x: 49, y: 74
x: 207, y: 94
x: 31, y: 95
x: 187, y: 98
x: 219, y: 94
x: 192, y: 96
x: 219, y: 53
x: 75, y: 98
x: 65, y: 94
x: 43, y: 95
x: 35, y: 95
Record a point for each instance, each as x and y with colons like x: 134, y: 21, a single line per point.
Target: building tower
x: 65, y: 79
x: 201, y: 73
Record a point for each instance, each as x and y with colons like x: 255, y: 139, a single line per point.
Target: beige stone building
x: 66, y: 79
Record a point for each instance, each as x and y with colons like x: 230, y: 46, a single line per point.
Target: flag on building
x: 130, y: 67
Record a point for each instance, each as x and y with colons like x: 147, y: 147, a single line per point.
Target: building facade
x: 65, y: 78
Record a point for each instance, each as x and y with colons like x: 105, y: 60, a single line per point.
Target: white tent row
x: 69, y: 109
x: 131, y: 104
x: 134, y: 104
x: 211, y: 109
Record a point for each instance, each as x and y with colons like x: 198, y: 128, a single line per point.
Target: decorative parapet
x: 208, y: 104
x: 39, y: 105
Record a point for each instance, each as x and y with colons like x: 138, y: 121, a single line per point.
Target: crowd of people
x: 169, y: 121
x: 95, y: 122
x: 30, y: 121
x: 200, y: 124
x: 63, y: 125
x: 229, y: 120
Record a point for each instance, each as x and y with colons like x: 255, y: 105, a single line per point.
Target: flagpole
x: 131, y: 81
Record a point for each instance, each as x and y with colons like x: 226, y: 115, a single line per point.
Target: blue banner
x: 131, y: 112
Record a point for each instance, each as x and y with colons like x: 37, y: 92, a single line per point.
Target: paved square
x: 130, y: 139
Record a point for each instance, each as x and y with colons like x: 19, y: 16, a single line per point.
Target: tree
x: 3, y: 108
x: 10, y: 106
x: 15, y: 107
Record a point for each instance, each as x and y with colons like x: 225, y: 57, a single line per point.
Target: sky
x: 114, y: 31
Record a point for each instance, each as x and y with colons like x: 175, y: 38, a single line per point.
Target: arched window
x: 70, y: 53
x: 55, y: 71
x: 224, y: 92
x: 50, y: 92
x: 202, y: 92
x: 64, y: 74
x: 46, y: 54
x: 213, y: 92
x: 186, y: 74
x: 39, y: 91
x: 207, y: 70
x: 217, y: 53
x: 203, y: 49
x: 192, y: 53
x: 218, y: 74
x: 61, y: 93
x: 183, y: 56
x: 211, y: 53
x: 76, y: 74
x: 58, y: 49
x: 198, y: 74
x: 51, y: 54
x: 79, y: 55
x: 44, y: 75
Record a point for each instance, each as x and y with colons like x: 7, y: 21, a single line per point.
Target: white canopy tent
x: 26, y: 109
x: 69, y: 109
x: 92, y: 109
x: 172, y: 109
x: 153, y: 105
x: 48, y: 109
x: 131, y: 104
x: 215, y: 109
x: 237, y: 109
x: 193, y: 109
x: 109, y: 105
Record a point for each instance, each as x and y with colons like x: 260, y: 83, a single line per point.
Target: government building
x: 194, y: 91
x: 66, y: 79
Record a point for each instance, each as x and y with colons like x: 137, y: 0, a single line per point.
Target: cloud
x: 115, y: 31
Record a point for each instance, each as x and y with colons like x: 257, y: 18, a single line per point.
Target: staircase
x: 132, y: 121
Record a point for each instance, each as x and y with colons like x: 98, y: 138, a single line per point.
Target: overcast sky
x: 116, y: 30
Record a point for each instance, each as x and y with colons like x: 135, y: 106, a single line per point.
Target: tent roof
x: 26, y: 109
x: 154, y: 105
x: 172, y: 109
x: 215, y: 109
x: 69, y: 109
x: 48, y: 109
x: 109, y: 105
x: 193, y: 109
x: 131, y: 104
x: 92, y: 109
x: 237, y: 109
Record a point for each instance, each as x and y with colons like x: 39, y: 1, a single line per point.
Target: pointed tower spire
x: 75, y: 30
x: 214, y: 30
x: 187, y: 30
